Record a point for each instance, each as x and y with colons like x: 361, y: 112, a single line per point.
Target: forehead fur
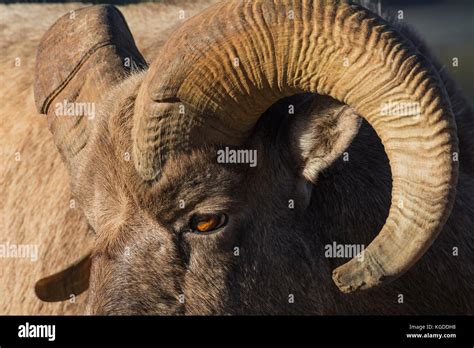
x: 191, y: 180
x: 194, y: 181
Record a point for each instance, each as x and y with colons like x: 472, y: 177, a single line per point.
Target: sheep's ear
x: 73, y: 280
x: 320, y: 134
x: 79, y: 58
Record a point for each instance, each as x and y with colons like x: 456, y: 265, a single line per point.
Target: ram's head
x: 181, y: 227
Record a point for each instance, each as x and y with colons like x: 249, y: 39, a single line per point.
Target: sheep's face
x: 207, y: 237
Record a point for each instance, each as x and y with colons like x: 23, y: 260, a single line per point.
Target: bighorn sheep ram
x: 360, y: 138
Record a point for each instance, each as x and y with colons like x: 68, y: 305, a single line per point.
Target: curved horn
x: 226, y: 66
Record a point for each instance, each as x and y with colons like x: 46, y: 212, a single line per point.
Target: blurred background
x: 448, y: 28
x: 446, y: 25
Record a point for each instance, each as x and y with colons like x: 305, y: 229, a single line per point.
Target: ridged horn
x: 223, y: 68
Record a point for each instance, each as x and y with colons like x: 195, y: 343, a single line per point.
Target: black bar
x: 230, y: 329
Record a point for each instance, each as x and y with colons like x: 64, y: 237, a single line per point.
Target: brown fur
x: 35, y: 191
x: 144, y: 255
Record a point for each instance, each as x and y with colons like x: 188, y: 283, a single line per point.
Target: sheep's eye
x: 208, y: 222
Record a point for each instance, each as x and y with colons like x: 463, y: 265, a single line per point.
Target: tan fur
x: 35, y: 198
x: 35, y: 193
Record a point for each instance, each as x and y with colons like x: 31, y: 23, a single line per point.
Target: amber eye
x: 207, y: 223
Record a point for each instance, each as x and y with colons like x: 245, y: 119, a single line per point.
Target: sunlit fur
x: 35, y: 191
x: 145, y: 258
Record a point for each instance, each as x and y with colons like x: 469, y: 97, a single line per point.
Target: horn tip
x: 355, y: 275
